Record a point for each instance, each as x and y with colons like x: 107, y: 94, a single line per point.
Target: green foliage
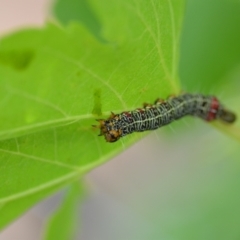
x: 109, y: 56
x: 55, y: 80
x: 79, y: 11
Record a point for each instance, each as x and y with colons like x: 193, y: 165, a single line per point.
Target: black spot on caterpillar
x: 163, y: 112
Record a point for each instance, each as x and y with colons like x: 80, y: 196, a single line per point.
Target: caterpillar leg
x: 158, y: 100
x: 112, y: 116
x: 145, y: 105
x: 171, y: 96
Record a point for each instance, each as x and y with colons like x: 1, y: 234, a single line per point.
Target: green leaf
x: 80, y: 11
x: 63, y: 222
x: 55, y: 81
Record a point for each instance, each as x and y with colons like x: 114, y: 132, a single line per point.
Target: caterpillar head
x: 109, y: 128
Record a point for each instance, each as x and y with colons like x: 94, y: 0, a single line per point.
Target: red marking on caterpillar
x: 127, y: 114
x: 213, y: 109
x: 161, y: 113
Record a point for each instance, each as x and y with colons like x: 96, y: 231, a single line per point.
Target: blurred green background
x: 210, y: 50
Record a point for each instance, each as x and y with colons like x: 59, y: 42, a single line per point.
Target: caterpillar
x: 163, y: 112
